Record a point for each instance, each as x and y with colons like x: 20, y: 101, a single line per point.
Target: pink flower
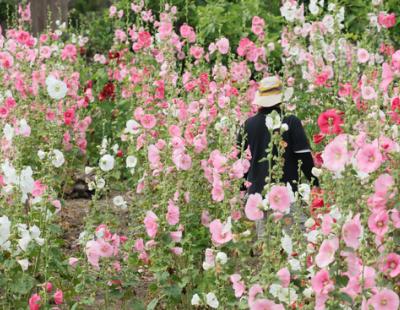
x: 176, y: 236
x: 280, y: 198
x: 351, y: 232
x: 181, y: 160
x: 257, y: 25
x: 391, y: 265
x: 48, y: 287
x: 177, y: 251
x: 150, y: 223
x: 112, y: 10
x: 188, y: 33
x: 321, y: 282
x: 104, y: 249
x: 362, y: 55
x: 378, y: 222
x: 220, y: 233
x: 254, y: 291
x: 34, y: 302
x: 165, y: 30
x: 58, y: 297
x: 284, y: 277
x: 368, y: 158
x: 148, y: 121
x: 384, y: 300
x: 330, y: 122
x: 223, y: 45
x: 326, y: 254
x: 368, y: 93
x: 72, y: 261
x: 383, y: 183
x: 335, y: 154
x: 326, y: 225
x: 38, y: 189
x: 205, y: 218
x: 387, y: 20
x: 69, y: 52
x: 238, y: 286
x: 196, y: 51
x: 172, y: 214
x: 265, y: 304
x: 217, y: 192
x: 252, y: 208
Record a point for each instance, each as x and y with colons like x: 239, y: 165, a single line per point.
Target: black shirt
x: 257, y: 137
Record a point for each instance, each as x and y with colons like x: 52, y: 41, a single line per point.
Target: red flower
x: 69, y: 116
x: 318, y: 138
x: 108, y: 92
x: 120, y: 153
x: 330, y: 122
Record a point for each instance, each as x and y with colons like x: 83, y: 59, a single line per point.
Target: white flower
x: 57, y: 89
x: 312, y: 236
x: 26, y: 182
x: 10, y: 174
x: 8, y: 132
x: 100, y: 183
x: 309, y: 223
x: 212, y: 300
x: 24, y: 264
x: 5, y: 226
x: 221, y: 258
x: 316, y: 172
x: 331, y: 7
x: 106, y: 162
x: 88, y: 170
x: 41, y: 154
x: 284, y: 127
x: 294, y: 264
x: 131, y: 161
x: 132, y: 126
x: 115, y: 148
x: 287, y: 295
x: 308, y: 292
x: 304, y: 191
x: 288, y: 11
x: 57, y: 158
x: 35, y: 234
x: 24, y: 129
x: 286, y: 243
x: 274, y: 289
x: 273, y: 121
x: 119, y: 202
x: 314, y: 9
x: 195, y: 300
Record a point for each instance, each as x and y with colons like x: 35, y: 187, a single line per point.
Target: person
x: 255, y: 135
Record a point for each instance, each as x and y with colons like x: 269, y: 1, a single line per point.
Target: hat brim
x: 272, y: 100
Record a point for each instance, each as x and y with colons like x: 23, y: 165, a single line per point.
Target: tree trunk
x: 41, y: 9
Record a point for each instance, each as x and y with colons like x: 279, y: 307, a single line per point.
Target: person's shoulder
x: 291, y: 119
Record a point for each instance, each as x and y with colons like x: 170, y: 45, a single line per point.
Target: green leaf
x: 22, y: 284
x: 152, y: 305
x: 137, y: 305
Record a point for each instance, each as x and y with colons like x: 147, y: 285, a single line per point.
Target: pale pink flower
x: 326, y: 225
x: 181, y: 160
x: 351, y: 232
x: 335, y: 154
x: 384, y: 300
x: 172, y: 214
x: 196, y: 51
x: 205, y: 218
x: 284, y: 276
x: 220, y: 232
x: 217, y: 192
x: 383, y: 183
x: 238, y: 285
x: 150, y: 223
x: 69, y: 52
x: 252, y: 208
x: 326, y: 254
x: 368, y: 93
x: 265, y: 304
x: 148, y: 121
x: 223, y: 45
x: 176, y: 236
x: 254, y: 291
x: 362, y: 55
x: 177, y: 250
x: 72, y: 261
x: 280, y: 198
x: 368, y: 158
x: 391, y: 265
x: 378, y: 222
x: 321, y: 282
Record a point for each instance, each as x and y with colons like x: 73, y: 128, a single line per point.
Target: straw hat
x: 270, y: 92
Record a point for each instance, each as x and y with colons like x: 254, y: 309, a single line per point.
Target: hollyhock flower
x: 69, y: 52
x: 150, y: 223
x: 352, y: 231
x: 321, y: 282
x: 205, y: 218
x: 221, y: 232
x: 58, y: 297
x: 254, y: 291
x: 330, y: 122
x: 57, y: 158
x: 368, y: 158
x: 238, y: 285
x: 148, y: 121
x: 378, y: 222
x: 326, y: 254
x: 265, y: 304
x: 368, y: 93
x: 34, y: 302
x: 188, y: 33
x: 280, y: 198
x: 253, y: 207
x: 56, y: 89
x: 195, y: 300
x: 72, y: 261
x: 257, y: 25
x: 362, y: 55
x: 223, y: 46
x: 106, y: 162
x: 212, y: 300
x: 196, y: 51
x: 391, y: 265
x: 345, y: 90
x: 387, y: 20
x: 5, y: 227
x: 172, y: 214
x: 181, y: 160
x: 335, y: 154
x: 177, y: 251
x: 39, y: 189
x: 131, y: 161
x: 284, y: 277
x: 321, y: 79
x: 384, y: 300
x: 395, y: 216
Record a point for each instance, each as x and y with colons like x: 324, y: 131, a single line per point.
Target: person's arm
x: 307, y: 163
x: 242, y: 144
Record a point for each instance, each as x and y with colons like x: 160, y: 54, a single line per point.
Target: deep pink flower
x: 351, y: 232
x: 330, y: 122
x: 220, y: 232
x: 148, y: 121
x: 252, y: 208
x: 58, y: 297
x: 387, y: 20
x: 384, y: 300
x: 34, y: 302
x: 69, y: 52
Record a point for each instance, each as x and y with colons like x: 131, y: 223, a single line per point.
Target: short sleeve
x: 297, y: 134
